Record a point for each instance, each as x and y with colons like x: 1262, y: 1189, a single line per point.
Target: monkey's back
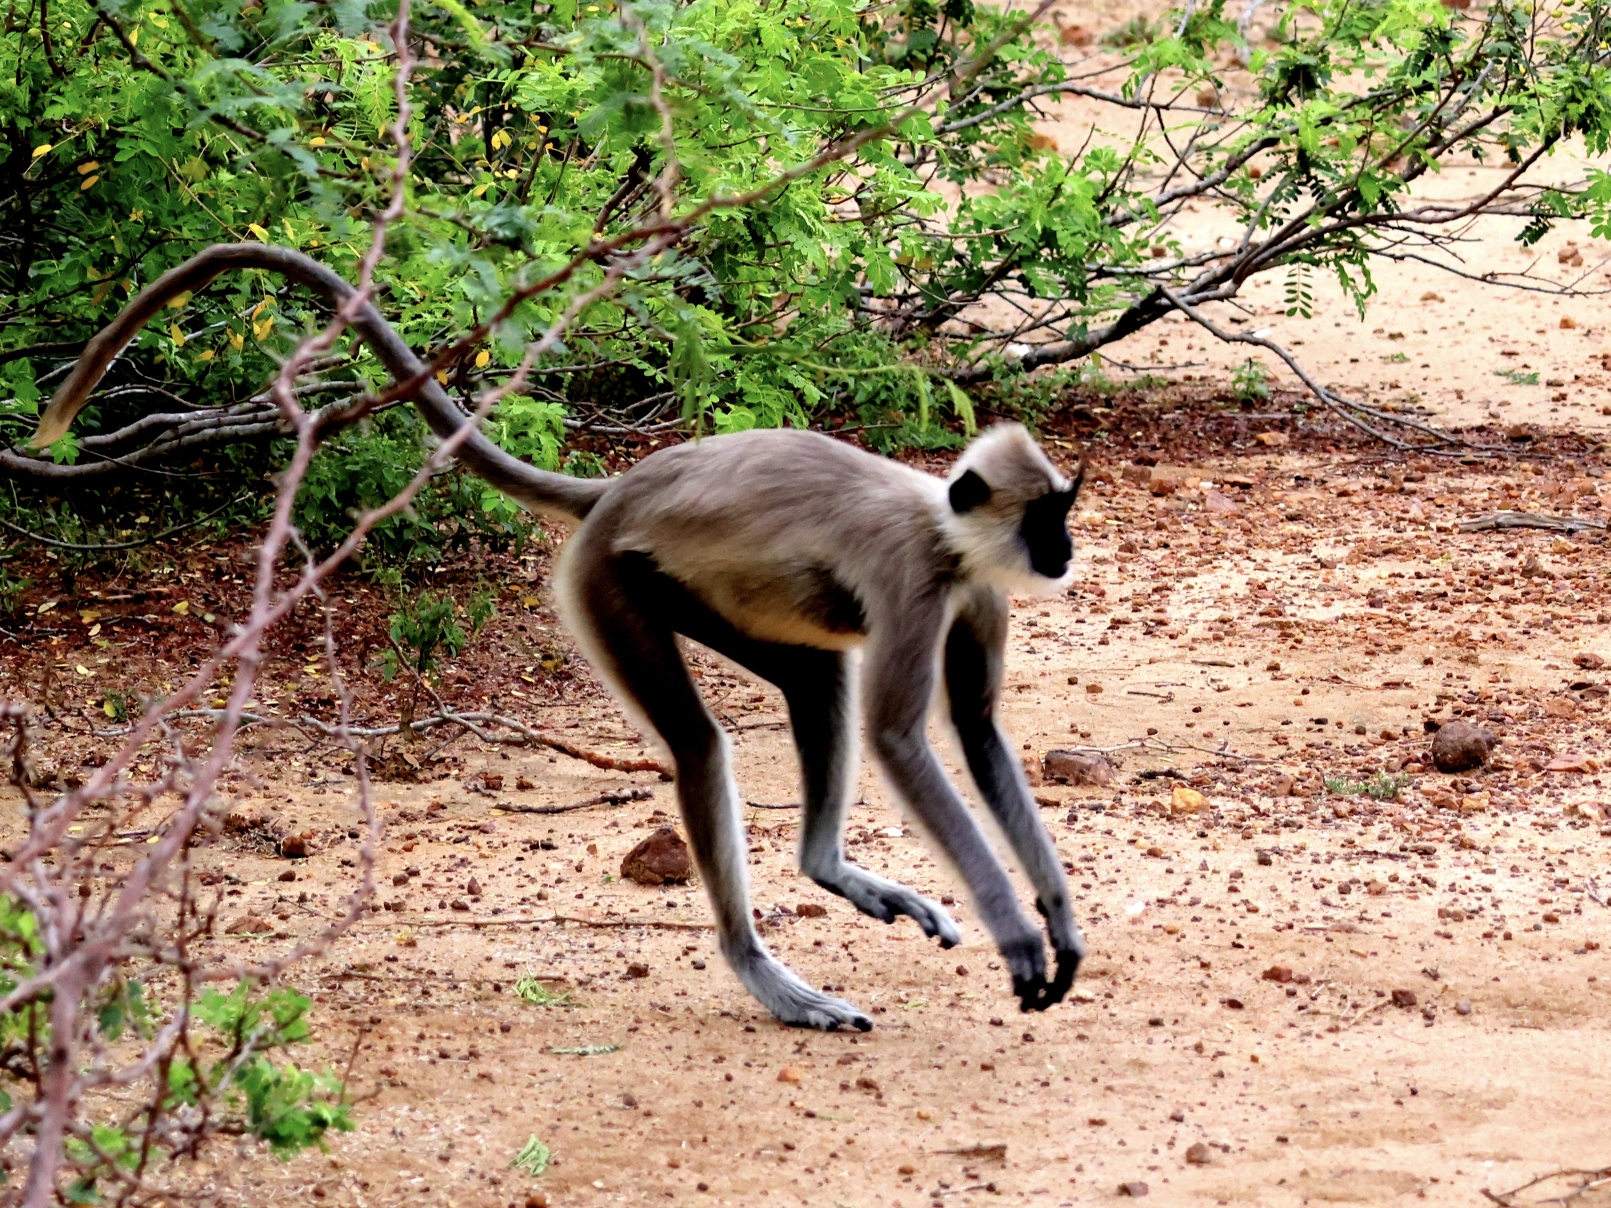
x: 783, y: 532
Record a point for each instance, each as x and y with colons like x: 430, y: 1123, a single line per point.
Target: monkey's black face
x: 1045, y: 532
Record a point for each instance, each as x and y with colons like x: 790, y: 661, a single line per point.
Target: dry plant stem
x: 1593, y: 1179
x: 79, y: 950
x: 473, y: 723
x: 1537, y: 520
x: 571, y: 807
x: 1344, y: 408
x: 652, y: 924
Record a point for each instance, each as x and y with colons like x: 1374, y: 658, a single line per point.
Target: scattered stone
x: 1551, y: 917
x: 294, y: 847
x: 473, y: 888
x: 288, y: 875
x: 492, y: 781
x: 789, y: 1073
x: 660, y: 859
x: 1198, y: 1154
x: 1463, y: 1006
x: 459, y: 904
x: 1283, y: 785
x: 1459, y: 746
x: 1090, y: 768
x: 1404, y: 998
x: 1093, y: 689
x: 1272, y: 439
x: 1137, y: 1189
x: 637, y: 969
x: 249, y: 924
x: 811, y: 910
x: 1183, y: 800
x: 1588, y: 660
x: 1278, y: 973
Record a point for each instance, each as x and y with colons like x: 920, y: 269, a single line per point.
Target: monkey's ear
x: 968, y: 492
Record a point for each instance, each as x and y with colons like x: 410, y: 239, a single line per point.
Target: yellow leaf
x: 317, y: 140
x: 43, y: 149
x: 237, y: 341
x: 479, y: 190
x: 207, y: 355
x: 258, y: 231
x: 481, y: 359
x: 94, y: 165
x: 47, y: 606
x: 88, y: 615
x: 263, y: 326
x: 181, y: 300
x: 108, y: 708
x: 134, y: 37
x: 83, y: 670
x: 182, y: 608
x: 89, y: 183
x: 441, y: 376
x: 95, y: 629
x: 178, y: 336
x: 136, y: 215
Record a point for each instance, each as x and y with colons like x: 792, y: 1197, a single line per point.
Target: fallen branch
x: 1592, y: 1180
x: 654, y: 924
x: 620, y: 797
x: 523, y: 735
x: 1536, y: 520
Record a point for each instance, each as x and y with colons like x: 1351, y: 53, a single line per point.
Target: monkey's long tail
x: 538, y: 489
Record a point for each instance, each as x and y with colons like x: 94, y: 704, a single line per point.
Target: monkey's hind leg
x: 638, y: 654
x: 817, y: 686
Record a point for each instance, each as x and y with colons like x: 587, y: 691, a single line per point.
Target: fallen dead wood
x: 619, y: 797
x: 475, y: 723
x: 1537, y: 520
x: 478, y: 923
x: 1590, y: 1180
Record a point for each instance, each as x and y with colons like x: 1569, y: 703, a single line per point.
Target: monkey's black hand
x: 1037, y: 993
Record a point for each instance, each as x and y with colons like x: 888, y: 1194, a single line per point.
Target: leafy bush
x: 844, y: 293
x: 287, y: 1107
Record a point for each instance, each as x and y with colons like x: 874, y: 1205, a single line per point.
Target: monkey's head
x: 1009, y: 508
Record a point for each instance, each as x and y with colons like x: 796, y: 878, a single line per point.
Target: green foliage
x: 834, y: 295
x: 533, y: 1157
x: 429, y: 624
x: 1251, y: 381
x: 287, y: 1107
x: 529, y: 990
x: 1518, y: 377
x: 1384, y: 786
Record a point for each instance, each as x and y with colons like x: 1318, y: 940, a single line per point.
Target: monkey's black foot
x: 791, y: 1000
x: 888, y: 900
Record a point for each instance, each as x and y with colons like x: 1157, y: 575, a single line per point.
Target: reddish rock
x: 660, y: 859
x: 1079, y: 768
x: 1459, y: 746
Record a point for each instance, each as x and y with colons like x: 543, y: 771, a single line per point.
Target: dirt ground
x: 1301, y: 993
x: 1274, y: 622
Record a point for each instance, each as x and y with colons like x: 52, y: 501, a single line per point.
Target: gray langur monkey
x: 829, y: 572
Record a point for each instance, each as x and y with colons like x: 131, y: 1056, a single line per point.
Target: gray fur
x: 800, y: 557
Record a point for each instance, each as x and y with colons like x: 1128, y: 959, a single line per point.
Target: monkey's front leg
x: 974, y: 652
